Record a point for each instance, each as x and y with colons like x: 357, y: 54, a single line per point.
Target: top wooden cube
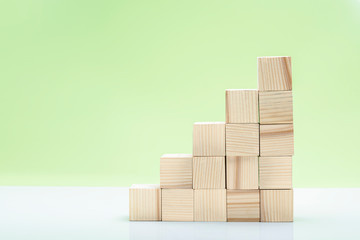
x: 242, y: 106
x: 274, y: 73
x: 209, y: 139
x: 145, y: 202
x: 176, y: 171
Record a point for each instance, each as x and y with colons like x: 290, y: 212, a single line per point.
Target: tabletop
x: 67, y: 213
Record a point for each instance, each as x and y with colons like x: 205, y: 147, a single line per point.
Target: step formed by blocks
x: 277, y: 140
x: 243, y: 205
x: 276, y: 205
x: 275, y: 172
x: 209, y: 172
x: 209, y: 139
x: 241, y: 172
x: 242, y: 106
x: 242, y: 139
x: 145, y: 202
x: 274, y: 73
x: 178, y: 205
x: 176, y: 171
x: 210, y: 205
x: 276, y: 107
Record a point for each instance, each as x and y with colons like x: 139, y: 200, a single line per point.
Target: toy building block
x: 242, y: 139
x: 275, y: 172
x: 176, y: 171
x: 210, y: 205
x: 242, y: 106
x: 276, y: 205
x: 243, y: 205
x: 274, y: 73
x: 145, y: 202
x: 209, y: 139
x: 241, y: 172
x: 276, y: 107
x: 277, y: 140
x: 177, y: 205
x: 209, y: 172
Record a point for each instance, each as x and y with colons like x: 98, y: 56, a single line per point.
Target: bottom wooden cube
x: 145, y: 202
x: 243, y: 205
x: 177, y: 204
x: 276, y: 205
x: 210, y: 205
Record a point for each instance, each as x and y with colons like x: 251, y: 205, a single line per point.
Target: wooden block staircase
x: 240, y: 170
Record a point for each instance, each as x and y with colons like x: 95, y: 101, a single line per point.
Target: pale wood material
x: 177, y: 205
x: 241, y: 172
x: 176, y: 171
x: 242, y: 106
x: 277, y: 140
x: 209, y: 139
x: 145, y: 202
x: 275, y: 172
x: 242, y: 139
x: 243, y: 205
x: 209, y: 172
x: 210, y: 205
x: 276, y: 205
x: 274, y: 73
x: 276, y: 107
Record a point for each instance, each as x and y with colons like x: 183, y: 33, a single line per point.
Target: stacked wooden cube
x: 241, y: 170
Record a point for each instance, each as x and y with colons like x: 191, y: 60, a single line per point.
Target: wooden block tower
x: 276, y: 138
x: 209, y: 171
x: 240, y: 170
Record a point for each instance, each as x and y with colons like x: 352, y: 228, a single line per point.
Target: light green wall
x: 93, y: 92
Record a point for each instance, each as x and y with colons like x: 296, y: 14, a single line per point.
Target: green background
x: 93, y: 92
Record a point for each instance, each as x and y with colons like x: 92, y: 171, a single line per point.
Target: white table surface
x: 70, y: 213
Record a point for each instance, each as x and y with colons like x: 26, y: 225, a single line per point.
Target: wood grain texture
x: 242, y: 139
x: 177, y: 205
x: 145, y: 202
x: 274, y: 73
x: 242, y: 106
x: 241, y: 172
x: 275, y: 172
x: 176, y: 171
x: 243, y: 205
x: 276, y: 205
x: 276, y: 107
x: 209, y: 172
x: 209, y: 139
x: 210, y: 205
x: 277, y: 140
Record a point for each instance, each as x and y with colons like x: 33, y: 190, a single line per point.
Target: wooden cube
x: 276, y: 107
x: 176, y: 171
x: 242, y: 139
x: 275, y: 172
x: 277, y: 140
x: 177, y: 205
x: 276, y: 205
x: 241, y: 172
x: 243, y: 205
x: 145, y: 202
x: 209, y: 172
x: 210, y: 205
x: 209, y: 139
x: 242, y: 106
x: 274, y: 73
